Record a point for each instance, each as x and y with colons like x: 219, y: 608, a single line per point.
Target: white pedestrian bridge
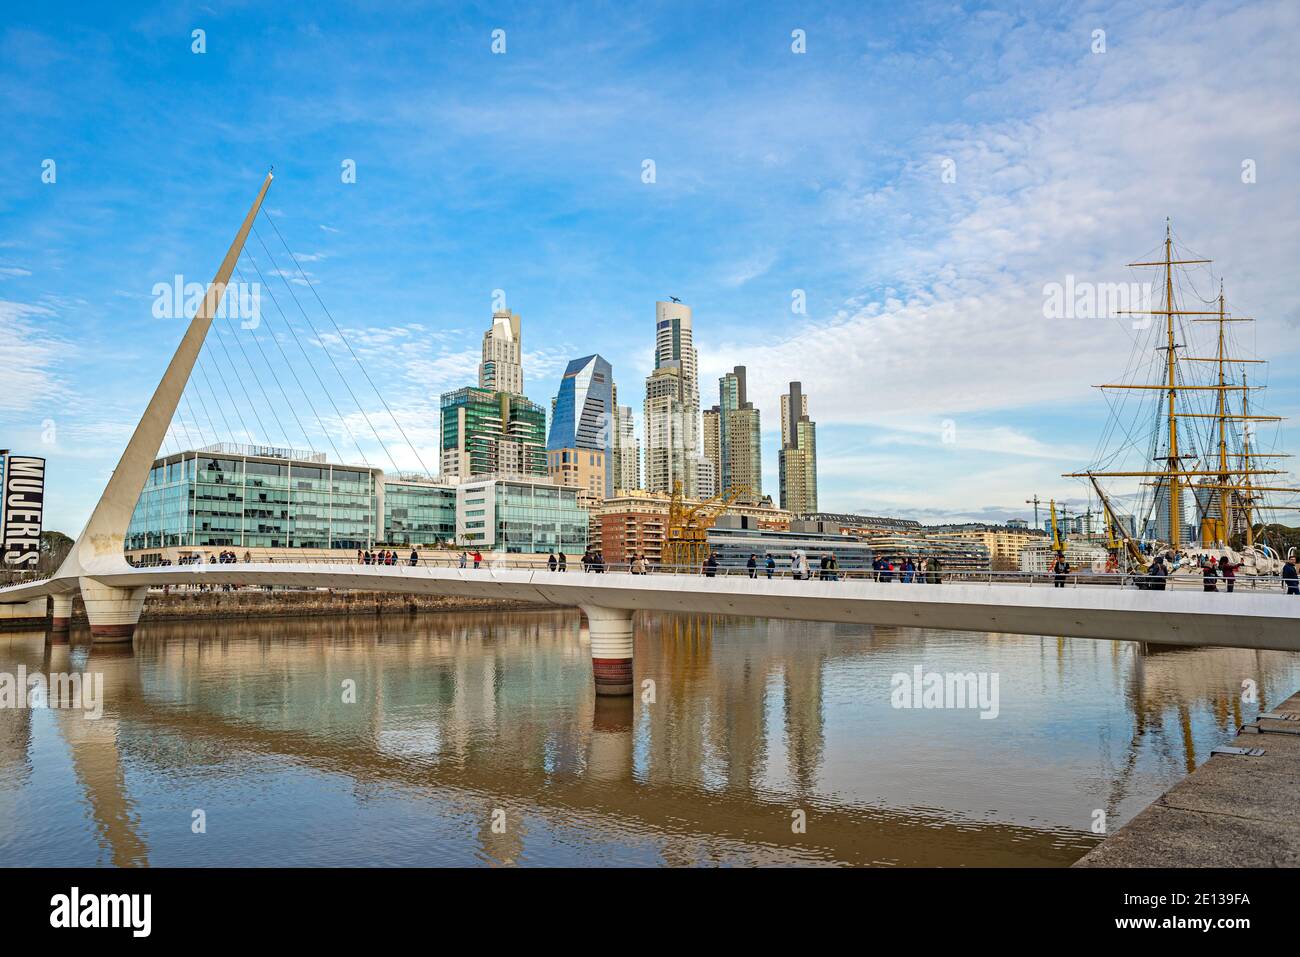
x: 1258, y: 615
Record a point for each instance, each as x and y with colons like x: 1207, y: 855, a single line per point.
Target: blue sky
x: 939, y: 388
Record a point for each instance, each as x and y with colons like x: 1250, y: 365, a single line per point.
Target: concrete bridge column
x: 113, y: 612
x: 611, y: 649
x: 62, y: 620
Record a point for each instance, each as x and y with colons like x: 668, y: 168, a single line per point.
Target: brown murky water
x: 477, y: 739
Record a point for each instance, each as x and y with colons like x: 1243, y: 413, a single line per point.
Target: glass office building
x: 734, y: 538
x: 245, y: 497
x: 418, y: 512
x: 520, y: 515
x: 582, y: 420
x: 254, y: 497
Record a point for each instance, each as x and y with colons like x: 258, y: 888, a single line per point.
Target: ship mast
x: 1174, y: 475
x: 1171, y: 359
x: 1245, y: 448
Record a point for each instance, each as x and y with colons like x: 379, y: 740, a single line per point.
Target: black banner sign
x: 22, y: 510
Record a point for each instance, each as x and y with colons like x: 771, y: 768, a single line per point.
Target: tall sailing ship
x: 1204, y: 487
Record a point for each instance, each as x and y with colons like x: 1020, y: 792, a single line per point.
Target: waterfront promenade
x: 1235, y: 810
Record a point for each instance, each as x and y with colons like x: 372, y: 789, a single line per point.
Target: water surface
x: 476, y: 739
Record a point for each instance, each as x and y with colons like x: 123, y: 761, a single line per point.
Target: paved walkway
x: 1232, y: 811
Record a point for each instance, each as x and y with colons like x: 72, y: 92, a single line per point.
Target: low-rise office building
x: 519, y: 514
x: 417, y: 511
x: 954, y: 553
x: 734, y: 538
x: 271, y: 503
x: 254, y: 498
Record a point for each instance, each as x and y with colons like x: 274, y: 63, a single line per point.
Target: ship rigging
x: 1205, y: 450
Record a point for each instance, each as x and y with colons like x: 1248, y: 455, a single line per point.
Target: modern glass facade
x: 521, y: 516
x: 734, y: 545
x: 215, y: 499
x: 582, y: 419
x: 221, y: 499
x: 418, y: 513
x: 486, y: 432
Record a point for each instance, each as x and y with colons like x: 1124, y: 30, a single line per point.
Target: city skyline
x: 939, y: 299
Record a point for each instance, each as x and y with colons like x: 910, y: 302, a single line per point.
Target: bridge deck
x: 1245, y: 619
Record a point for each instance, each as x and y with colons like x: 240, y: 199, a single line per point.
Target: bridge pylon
x: 611, y: 649
x: 100, y: 548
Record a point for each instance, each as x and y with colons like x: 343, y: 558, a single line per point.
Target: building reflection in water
x: 477, y: 738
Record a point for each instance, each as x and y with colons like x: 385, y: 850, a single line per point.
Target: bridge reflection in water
x: 479, y: 739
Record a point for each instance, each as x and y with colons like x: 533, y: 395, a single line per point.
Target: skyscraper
x: 672, y: 403
x: 502, y: 368
x: 627, y: 450
x: 798, y: 458
x: 486, y: 432
x: 675, y: 342
x: 669, y: 455
x: 711, y: 442
x: 582, y: 423
x: 740, y: 438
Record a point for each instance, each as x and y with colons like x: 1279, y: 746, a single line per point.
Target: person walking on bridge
x: 551, y: 562
x: 1228, y: 570
x: 415, y: 557
x: 800, y: 567
x: 478, y: 558
x: 771, y: 565
x: 1157, y: 574
x: 1060, y: 568
x: 563, y: 562
x: 1210, y: 576
x: 1290, y: 577
x: 752, y: 565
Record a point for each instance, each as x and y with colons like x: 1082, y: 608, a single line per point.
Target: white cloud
x: 1081, y: 186
x: 31, y: 354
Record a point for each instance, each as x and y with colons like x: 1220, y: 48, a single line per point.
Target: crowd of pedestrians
x: 910, y: 571
x: 385, y: 557
x: 1214, y: 571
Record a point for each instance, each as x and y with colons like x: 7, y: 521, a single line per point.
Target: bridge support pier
x: 113, y: 612
x: 611, y: 649
x: 61, y: 622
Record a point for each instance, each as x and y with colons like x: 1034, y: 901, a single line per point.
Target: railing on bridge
x: 10, y: 576
x: 1180, y: 581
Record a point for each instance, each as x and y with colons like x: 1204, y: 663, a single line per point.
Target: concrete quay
x: 1235, y: 810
